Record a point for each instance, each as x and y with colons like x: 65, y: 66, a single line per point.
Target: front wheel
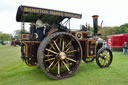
x: 104, y: 57
x: 59, y: 55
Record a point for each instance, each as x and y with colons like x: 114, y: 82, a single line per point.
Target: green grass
x: 15, y: 72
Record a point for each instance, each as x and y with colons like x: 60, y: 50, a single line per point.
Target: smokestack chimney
x: 95, y: 23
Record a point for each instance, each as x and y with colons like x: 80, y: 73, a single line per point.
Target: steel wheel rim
x: 59, y: 60
x: 104, y: 57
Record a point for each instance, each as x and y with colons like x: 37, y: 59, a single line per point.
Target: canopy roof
x: 31, y: 14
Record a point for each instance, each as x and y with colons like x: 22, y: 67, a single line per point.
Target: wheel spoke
x: 51, y: 51
x: 51, y: 64
x: 63, y: 45
x: 68, y: 49
x: 55, y: 65
x: 71, y: 59
x: 104, y: 62
x: 72, y: 51
x: 105, y: 53
x: 48, y: 55
x: 60, y: 42
x: 67, y: 62
x: 101, y: 54
x: 61, y: 66
x: 58, y: 67
x: 108, y: 58
x: 68, y: 44
x: 70, y: 55
x: 108, y: 55
x: 101, y: 60
x: 57, y: 38
x: 52, y: 46
x: 66, y: 66
x: 56, y: 45
x: 50, y: 59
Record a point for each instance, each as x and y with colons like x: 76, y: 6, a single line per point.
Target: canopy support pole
x: 69, y: 24
x: 22, y: 24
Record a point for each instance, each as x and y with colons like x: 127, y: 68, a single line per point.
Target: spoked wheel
x: 88, y: 59
x: 59, y: 55
x: 104, y: 57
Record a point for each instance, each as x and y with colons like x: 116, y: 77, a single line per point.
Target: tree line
x: 5, y: 36
x: 8, y: 37
x: 114, y: 30
x: 105, y: 31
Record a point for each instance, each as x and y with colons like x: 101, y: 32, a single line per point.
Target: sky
x: 112, y: 12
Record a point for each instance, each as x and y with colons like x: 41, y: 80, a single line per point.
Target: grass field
x: 15, y: 72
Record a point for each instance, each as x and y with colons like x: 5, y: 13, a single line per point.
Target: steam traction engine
x: 60, y: 52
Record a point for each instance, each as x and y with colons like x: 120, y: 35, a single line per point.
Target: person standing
x: 125, y: 48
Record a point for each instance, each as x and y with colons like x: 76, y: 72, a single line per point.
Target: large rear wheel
x: 59, y: 55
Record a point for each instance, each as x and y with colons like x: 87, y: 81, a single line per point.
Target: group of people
x: 125, y: 48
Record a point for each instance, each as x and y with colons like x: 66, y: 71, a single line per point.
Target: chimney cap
x: 95, y: 16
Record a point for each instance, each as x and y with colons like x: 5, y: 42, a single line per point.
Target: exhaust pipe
x: 95, y: 24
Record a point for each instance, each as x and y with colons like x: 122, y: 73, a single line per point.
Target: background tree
x: 5, y: 36
x: 114, y: 30
x: 0, y: 35
x: 17, y: 34
x: 123, y: 29
x: 107, y: 31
